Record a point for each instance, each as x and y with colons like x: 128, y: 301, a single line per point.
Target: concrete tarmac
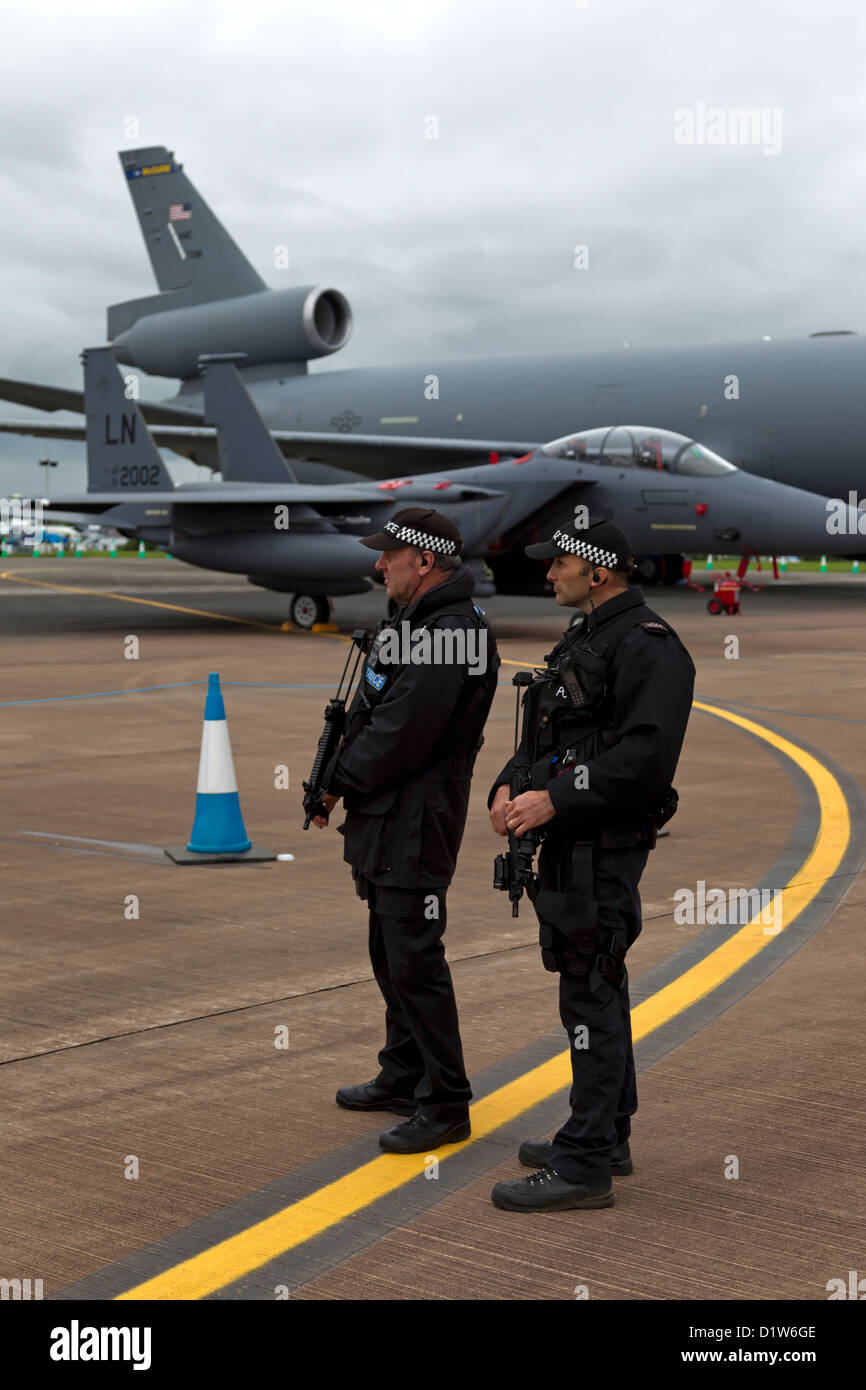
x: 144, y: 1082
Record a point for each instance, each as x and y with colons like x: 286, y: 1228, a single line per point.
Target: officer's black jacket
x: 405, y: 766
x: 631, y: 764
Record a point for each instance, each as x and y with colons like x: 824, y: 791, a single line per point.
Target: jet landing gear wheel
x: 306, y: 609
x: 659, y: 569
x: 649, y: 570
x: 671, y: 569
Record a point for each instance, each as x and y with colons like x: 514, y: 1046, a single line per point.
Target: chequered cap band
x: 594, y: 553
x: 422, y: 539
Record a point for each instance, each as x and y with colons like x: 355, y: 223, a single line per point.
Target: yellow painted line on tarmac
x: 239, y: 1254
x: 831, y: 841
x: 148, y: 602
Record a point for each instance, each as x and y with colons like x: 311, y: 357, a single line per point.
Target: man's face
x: 402, y: 571
x: 570, y: 576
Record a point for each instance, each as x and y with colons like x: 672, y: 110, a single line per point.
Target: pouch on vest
x: 583, y: 674
x: 568, y: 930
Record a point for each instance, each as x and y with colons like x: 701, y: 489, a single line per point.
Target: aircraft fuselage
x: 792, y: 411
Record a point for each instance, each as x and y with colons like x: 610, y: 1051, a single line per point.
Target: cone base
x: 256, y: 854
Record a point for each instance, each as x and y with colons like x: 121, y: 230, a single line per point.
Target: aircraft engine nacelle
x: 291, y: 325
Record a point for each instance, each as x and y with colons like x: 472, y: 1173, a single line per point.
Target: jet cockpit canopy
x: 640, y: 446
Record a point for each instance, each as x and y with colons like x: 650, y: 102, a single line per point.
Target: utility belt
x: 571, y: 940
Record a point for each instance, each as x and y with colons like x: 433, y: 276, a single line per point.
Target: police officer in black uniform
x: 404, y: 770
x: 604, y: 726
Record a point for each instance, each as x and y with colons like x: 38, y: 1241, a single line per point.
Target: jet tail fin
x: 193, y: 257
x: 121, y: 453
x: 247, y: 450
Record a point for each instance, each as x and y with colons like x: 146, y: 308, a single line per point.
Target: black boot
x: 421, y: 1134
x: 371, y: 1096
x: 547, y: 1191
x: 535, y: 1153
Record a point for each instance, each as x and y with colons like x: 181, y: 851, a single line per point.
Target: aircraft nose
x: 782, y: 520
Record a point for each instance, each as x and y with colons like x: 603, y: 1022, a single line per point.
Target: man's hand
x: 497, y: 810
x: 329, y: 802
x: 527, y: 812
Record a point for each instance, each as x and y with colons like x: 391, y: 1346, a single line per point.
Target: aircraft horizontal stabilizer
x: 262, y: 494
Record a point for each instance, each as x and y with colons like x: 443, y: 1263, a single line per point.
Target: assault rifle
x: 335, y: 723
x: 513, y: 872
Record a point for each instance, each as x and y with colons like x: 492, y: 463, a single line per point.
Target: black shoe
x: 421, y: 1135
x: 535, y: 1153
x: 372, y: 1096
x: 547, y: 1191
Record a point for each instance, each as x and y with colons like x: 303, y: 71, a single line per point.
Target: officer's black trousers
x: 422, y: 1055
x: 596, y: 1018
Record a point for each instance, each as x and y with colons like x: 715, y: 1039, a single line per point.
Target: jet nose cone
x: 804, y: 525
x: 782, y: 520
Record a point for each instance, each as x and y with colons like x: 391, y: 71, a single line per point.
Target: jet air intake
x: 293, y: 325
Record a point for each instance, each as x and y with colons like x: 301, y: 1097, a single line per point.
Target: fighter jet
x: 259, y: 520
x: 665, y: 489
x: 790, y: 411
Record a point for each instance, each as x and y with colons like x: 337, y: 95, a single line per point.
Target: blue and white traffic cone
x: 219, y: 826
x: 218, y: 829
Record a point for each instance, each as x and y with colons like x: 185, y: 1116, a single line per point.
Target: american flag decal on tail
x: 180, y: 212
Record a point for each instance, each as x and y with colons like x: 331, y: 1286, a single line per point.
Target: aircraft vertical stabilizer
x: 247, y: 451
x: 121, y: 454
x: 193, y: 257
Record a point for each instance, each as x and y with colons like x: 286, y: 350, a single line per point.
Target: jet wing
x: 382, y: 455
x: 376, y: 455
x: 32, y: 393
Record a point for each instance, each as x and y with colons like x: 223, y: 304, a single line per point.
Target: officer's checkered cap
x: 424, y: 541
x: 421, y: 526
x: 601, y: 542
x: 574, y: 546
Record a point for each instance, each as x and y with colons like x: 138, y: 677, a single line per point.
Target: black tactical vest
x: 463, y: 732
x: 569, y: 700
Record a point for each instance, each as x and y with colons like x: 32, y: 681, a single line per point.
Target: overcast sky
x: 305, y: 125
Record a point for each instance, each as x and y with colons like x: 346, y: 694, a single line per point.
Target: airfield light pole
x: 46, y: 464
